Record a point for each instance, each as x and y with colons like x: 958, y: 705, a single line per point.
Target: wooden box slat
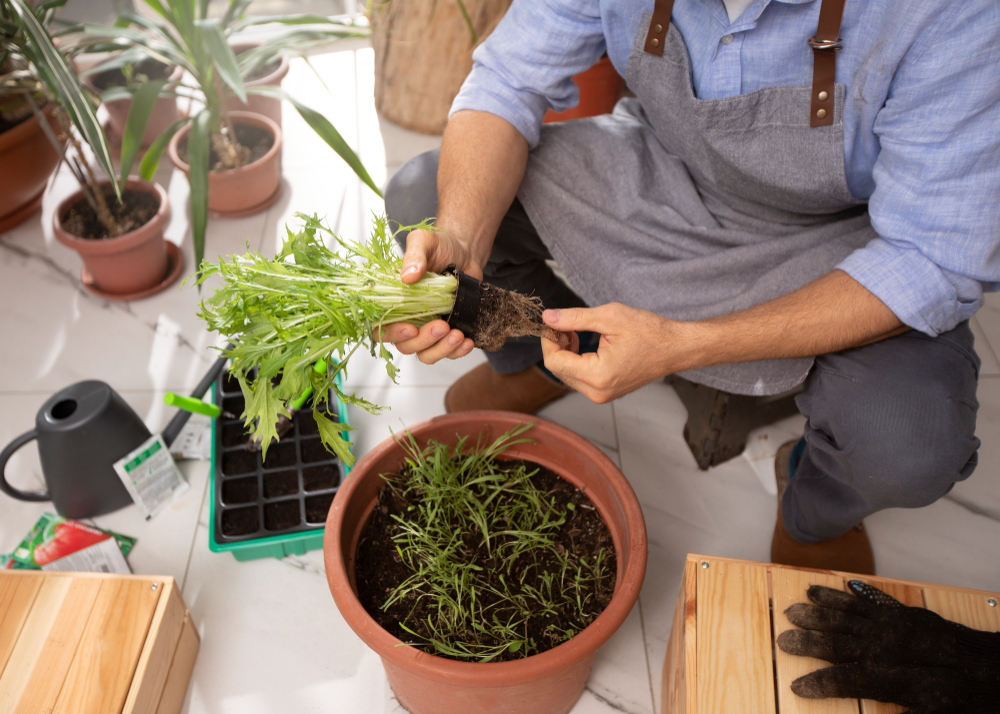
x: 83, y: 643
x: 720, y: 657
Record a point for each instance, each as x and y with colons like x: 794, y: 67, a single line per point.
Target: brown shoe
x: 484, y: 388
x: 850, y: 553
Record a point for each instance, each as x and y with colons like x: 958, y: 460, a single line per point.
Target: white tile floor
x: 272, y: 640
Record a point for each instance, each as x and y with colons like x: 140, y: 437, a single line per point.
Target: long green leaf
x: 65, y: 85
x: 135, y: 125
x: 234, y: 11
x: 198, y: 152
x: 294, y: 20
x: 147, y: 167
x: 223, y: 56
x: 160, y: 10
x: 326, y: 131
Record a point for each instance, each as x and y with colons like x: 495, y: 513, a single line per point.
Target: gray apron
x: 692, y: 208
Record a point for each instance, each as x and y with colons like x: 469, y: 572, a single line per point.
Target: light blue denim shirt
x: 921, y: 122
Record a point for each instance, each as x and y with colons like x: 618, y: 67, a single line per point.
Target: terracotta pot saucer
x: 18, y: 216
x: 175, y: 266
x: 250, y: 210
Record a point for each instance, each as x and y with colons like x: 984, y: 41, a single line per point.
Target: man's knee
x: 898, y: 448
x: 411, y: 194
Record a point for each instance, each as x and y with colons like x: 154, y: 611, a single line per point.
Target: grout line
x: 194, y: 536
x: 645, y: 652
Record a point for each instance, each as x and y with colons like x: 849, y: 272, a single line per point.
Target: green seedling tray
x: 307, y: 534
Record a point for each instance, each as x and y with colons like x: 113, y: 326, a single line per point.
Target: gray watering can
x: 82, y: 431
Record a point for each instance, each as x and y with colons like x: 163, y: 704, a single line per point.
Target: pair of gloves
x: 886, y: 651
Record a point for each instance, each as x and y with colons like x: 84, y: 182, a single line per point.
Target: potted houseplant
x: 548, y: 682
x: 232, y: 159
x: 27, y: 158
x: 115, y: 224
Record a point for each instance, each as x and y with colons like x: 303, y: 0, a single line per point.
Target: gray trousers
x: 888, y: 425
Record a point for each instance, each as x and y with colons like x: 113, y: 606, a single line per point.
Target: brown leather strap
x: 825, y: 45
x: 658, y: 25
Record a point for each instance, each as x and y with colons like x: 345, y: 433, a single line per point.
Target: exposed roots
x: 504, y: 314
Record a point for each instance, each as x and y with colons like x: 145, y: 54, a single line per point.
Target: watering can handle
x: 5, y: 456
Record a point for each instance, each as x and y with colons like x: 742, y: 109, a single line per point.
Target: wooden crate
x: 86, y: 643
x: 721, y: 657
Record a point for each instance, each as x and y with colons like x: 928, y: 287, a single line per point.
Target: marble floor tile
x: 984, y: 348
x: 988, y: 319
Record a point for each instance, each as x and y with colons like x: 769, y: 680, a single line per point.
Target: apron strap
x: 825, y: 44
x: 658, y: 25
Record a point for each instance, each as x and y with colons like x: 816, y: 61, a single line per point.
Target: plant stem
x: 90, y: 186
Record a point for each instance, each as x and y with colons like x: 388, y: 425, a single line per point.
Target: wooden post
x: 423, y: 53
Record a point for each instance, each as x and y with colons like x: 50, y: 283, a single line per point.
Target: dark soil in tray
x: 240, y: 521
x: 241, y: 490
x: 313, y: 451
x: 135, y: 211
x: 256, y: 138
x: 234, y: 405
x: 319, y: 478
x: 261, y: 72
x: 148, y: 68
x: 380, y: 569
x: 282, y: 515
x: 238, y: 462
x: 234, y: 434
x: 281, y: 483
x: 317, y: 507
x: 280, y: 455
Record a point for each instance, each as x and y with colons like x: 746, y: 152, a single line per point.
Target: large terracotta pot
x: 163, y: 115
x: 600, y: 89
x: 246, y: 190
x: 547, y: 683
x: 266, y: 106
x: 27, y: 160
x: 126, y: 266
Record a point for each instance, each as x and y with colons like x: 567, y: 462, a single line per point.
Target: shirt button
x: 726, y: 39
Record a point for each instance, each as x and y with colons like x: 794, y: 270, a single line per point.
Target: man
x: 801, y: 192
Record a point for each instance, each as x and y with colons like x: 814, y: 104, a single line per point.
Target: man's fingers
x: 821, y: 645
x: 420, y: 247
x: 603, y: 319
x: 397, y: 332
x: 838, y: 599
x: 812, y: 617
x: 428, y: 336
x: 446, y: 347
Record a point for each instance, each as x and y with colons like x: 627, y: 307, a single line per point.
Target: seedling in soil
x: 310, y: 303
x: 472, y: 557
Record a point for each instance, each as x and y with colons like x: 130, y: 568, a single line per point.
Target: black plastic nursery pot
x: 468, y: 296
x: 276, y: 507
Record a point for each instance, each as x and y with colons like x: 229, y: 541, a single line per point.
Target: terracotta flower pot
x: 129, y: 265
x: 248, y: 189
x: 600, y: 89
x: 163, y: 115
x: 546, y: 683
x: 266, y: 106
x: 27, y: 160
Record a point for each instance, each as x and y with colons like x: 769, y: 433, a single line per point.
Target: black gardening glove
x: 889, y: 652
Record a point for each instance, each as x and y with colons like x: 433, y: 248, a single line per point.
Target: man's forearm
x: 832, y: 313
x: 482, y: 163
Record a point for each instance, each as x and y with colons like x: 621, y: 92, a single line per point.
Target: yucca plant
x: 35, y: 77
x: 187, y: 37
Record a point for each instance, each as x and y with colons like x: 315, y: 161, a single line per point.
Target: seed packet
x: 57, y: 543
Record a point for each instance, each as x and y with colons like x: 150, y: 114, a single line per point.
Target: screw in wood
x: 991, y: 602
x: 704, y: 565
x: 154, y: 586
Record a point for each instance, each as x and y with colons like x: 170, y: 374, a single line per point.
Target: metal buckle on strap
x: 834, y: 45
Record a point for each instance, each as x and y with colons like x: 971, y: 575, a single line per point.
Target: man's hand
x: 636, y: 347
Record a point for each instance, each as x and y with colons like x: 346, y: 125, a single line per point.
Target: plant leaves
x: 135, y: 126
x: 331, y: 432
x: 326, y: 131
x: 198, y: 153
x: 64, y: 84
x: 147, y: 167
x: 223, y: 57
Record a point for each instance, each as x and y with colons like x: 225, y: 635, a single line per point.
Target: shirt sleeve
x: 525, y: 66
x: 936, y: 203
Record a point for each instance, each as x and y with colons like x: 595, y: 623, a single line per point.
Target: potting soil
x: 255, y: 138
x: 504, y: 314
x: 379, y: 570
x: 136, y: 210
x: 263, y: 71
x: 148, y: 68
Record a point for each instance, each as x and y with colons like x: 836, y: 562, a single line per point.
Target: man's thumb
x: 418, y: 245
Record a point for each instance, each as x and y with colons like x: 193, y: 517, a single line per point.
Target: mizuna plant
x: 311, y: 303
x: 187, y: 37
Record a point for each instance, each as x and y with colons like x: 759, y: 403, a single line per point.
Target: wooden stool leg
x: 719, y: 423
